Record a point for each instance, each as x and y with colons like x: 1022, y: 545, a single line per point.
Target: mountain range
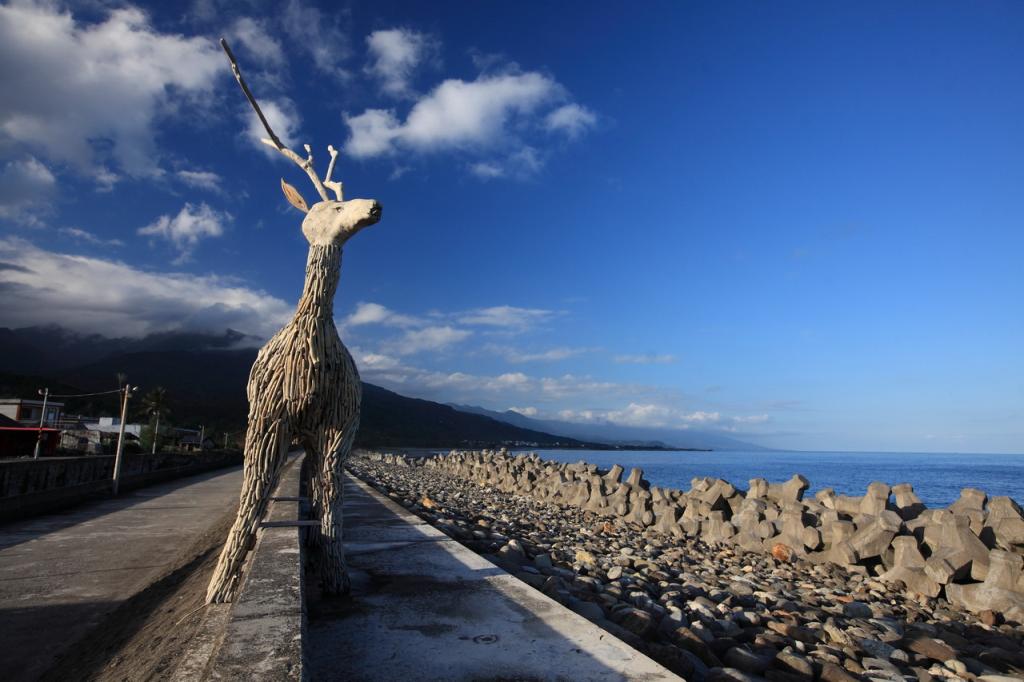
x: 205, y: 377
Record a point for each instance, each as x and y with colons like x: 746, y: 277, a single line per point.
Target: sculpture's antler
x: 336, y: 186
x: 274, y: 141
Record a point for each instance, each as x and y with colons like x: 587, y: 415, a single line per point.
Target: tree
x: 155, y: 404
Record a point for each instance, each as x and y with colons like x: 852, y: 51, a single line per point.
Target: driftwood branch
x: 336, y: 187
x: 274, y: 141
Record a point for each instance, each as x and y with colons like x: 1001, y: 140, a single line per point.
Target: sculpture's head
x: 334, y: 222
x: 330, y: 221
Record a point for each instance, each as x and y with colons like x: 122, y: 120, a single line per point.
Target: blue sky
x: 798, y: 224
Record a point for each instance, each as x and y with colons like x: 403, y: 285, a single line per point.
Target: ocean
x: 937, y: 478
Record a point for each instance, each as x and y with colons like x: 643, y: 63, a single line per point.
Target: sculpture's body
x: 303, y: 386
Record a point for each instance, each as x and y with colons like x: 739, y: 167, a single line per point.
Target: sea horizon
x: 936, y: 477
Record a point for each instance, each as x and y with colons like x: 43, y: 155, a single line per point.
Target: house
x: 113, y: 425
x: 18, y: 440
x: 27, y: 412
x: 190, y: 441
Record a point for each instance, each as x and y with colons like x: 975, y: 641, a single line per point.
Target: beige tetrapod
x: 303, y: 384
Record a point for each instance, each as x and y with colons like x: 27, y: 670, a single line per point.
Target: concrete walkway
x: 60, y: 574
x: 424, y: 607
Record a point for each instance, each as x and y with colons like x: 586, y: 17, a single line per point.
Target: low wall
x: 36, y: 486
x: 260, y: 634
x: 971, y: 553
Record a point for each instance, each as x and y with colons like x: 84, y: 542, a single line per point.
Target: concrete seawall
x: 260, y: 635
x: 971, y: 553
x: 35, y: 486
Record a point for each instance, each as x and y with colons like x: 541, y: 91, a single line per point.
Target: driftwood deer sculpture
x: 303, y: 384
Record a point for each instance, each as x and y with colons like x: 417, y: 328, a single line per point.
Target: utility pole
x: 45, y: 392
x: 202, y: 436
x: 127, y: 392
x: 225, y: 440
x: 156, y: 431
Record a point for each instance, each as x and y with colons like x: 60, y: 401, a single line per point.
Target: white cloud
x: 644, y: 414
x: 395, y: 53
x: 525, y: 411
x: 645, y: 359
x: 456, y: 115
x: 503, y: 316
x: 752, y: 419
x: 68, y: 85
x: 648, y: 415
x: 506, y: 316
x: 550, y: 355
x: 569, y: 385
x: 207, y: 180
x: 320, y: 35
x: 427, y: 339
x: 94, y: 295
x: 571, y: 119
x: 88, y: 237
x: 259, y: 45
x: 188, y: 228
x: 486, y: 170
x: 521, y: 164
x: 701, y: 417
x: 370, y: 361
x: 375, y: 313
x: 27, y: 189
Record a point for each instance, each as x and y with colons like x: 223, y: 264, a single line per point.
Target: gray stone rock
x: 794, y: 664
x: 857, y: 609
x: 743, y: 659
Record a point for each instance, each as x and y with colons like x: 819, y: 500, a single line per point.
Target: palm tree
x: 155, y: 403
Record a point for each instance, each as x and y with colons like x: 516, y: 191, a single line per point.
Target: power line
x: 86, y: 395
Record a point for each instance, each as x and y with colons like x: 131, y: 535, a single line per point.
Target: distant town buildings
x: 27, y: 412
x: 77, y: 434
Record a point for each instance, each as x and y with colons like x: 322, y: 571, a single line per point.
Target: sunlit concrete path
x: 424, y: 607
x: 60, y: 574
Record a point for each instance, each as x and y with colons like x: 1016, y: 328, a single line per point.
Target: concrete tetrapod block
x: 971, y: 504
x: 790, y: 491
x: 908, y: 504
x: 792, y: 534
x: 640, y: 508
x: 876, y: 500
x: 636, y: 478
x: 598, y: 501
x: 1002, y: 590
x: 826, y: 497
x: 666, y: 515
x: 874, y: 538
x: 908, y: 567
x: 618, y: 501
x: 758, y: 488
x: 717, y: 529
x: 1004, y: 524
x: 614, y: 475
x: 959, y: 552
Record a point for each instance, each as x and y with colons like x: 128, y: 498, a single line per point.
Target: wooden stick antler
x: 335, y: 186
x: 305, y: 164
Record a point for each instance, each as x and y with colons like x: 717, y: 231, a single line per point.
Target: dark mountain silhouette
x: 205, y: 381
x: 45, y: 348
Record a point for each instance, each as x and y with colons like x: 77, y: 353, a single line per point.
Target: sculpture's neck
x: 323, y: 268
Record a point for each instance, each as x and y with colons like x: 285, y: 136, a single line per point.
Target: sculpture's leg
x: 327, y: 479
x: 266, y: 447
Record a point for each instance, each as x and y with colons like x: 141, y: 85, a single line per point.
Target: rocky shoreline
x: 704, y: 603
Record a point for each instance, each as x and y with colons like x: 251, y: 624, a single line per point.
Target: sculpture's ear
x: 293, y: 197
